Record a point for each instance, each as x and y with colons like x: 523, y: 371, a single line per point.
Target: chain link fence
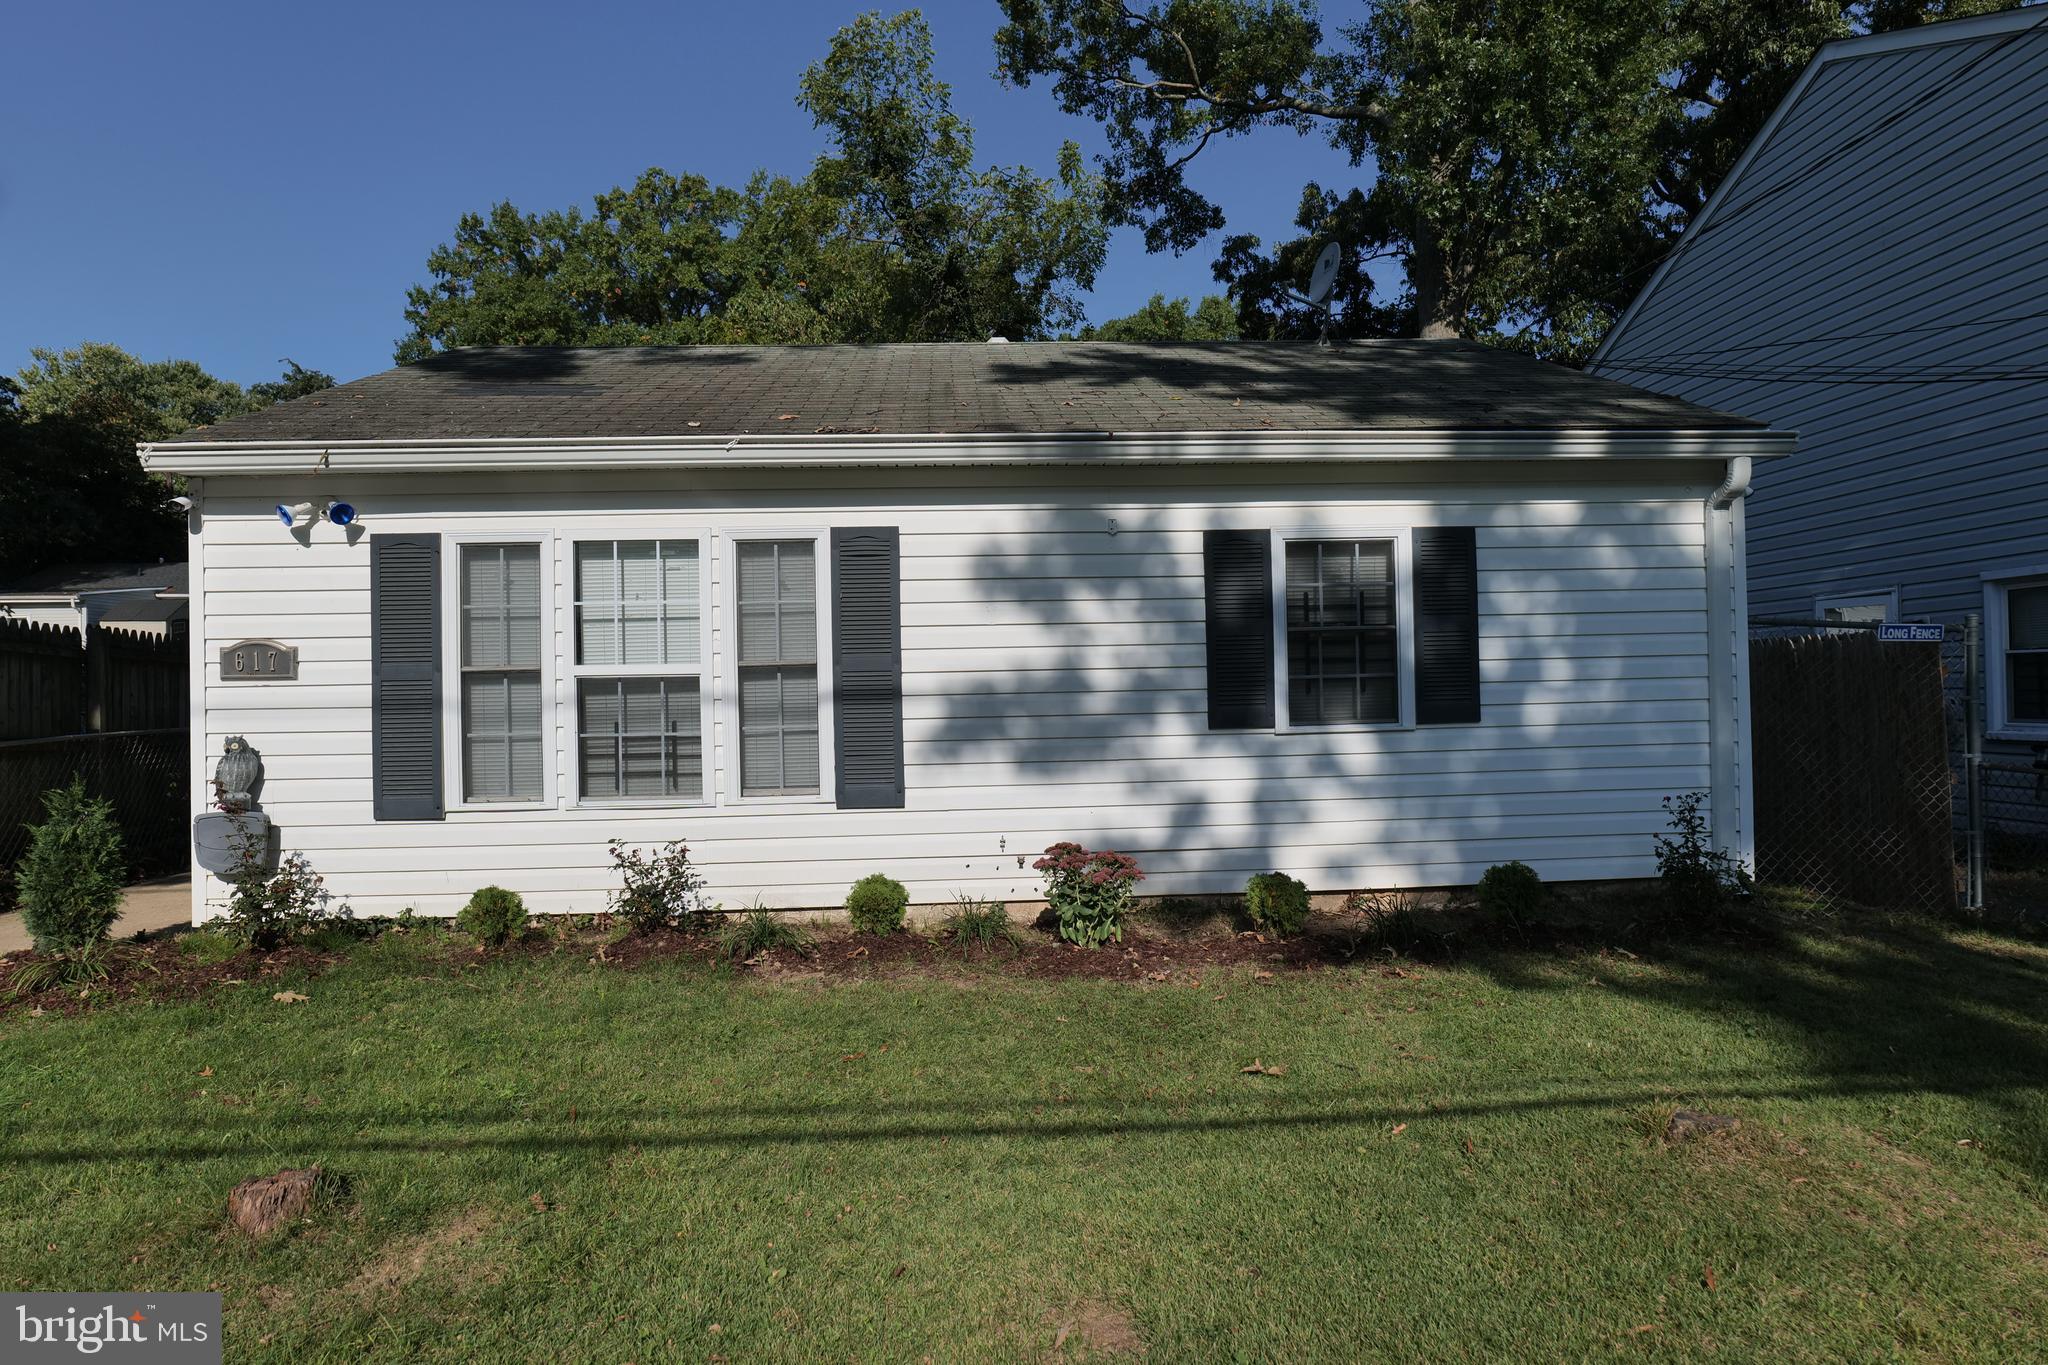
x: 1854, y: 795
x: 1815, y: 741
x: 145, y: 773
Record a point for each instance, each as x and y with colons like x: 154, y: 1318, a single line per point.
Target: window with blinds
x: 500, y: 601
x: 639, y: 610
x: 1343, y: 649
x: 777, y: 662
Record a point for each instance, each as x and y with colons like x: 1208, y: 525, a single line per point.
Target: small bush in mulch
x: 492, y: 916
x: 1512, y: 894
x: 661, y: 889
x: 1276, y: 903
x: 876, y: 904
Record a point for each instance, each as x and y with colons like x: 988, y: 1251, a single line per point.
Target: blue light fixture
x: 295, y: 514
x: 341, y: 513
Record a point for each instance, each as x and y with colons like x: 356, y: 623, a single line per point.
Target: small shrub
x: 659, y: 889
x: 70, y: 881
x: 267, y: 910
x: 1090, y: 893
x: 1512, y: 894
x: 493, y: 916
x: 755, y: 932
x: 1276, y: 903
x: 876, y: 904
x: 1698, y: 879
x: 981, y: 924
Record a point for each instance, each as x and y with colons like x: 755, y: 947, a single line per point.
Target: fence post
x: 1973, y: 759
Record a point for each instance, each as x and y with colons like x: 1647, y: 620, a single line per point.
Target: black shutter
x: 1237, y: 574
x: 405, y: 677
x: 1446, y: 625
x: 867, y: 667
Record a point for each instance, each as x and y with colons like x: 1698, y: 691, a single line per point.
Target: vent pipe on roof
x: 998, y: 341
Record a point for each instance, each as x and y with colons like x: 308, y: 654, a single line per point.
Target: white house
x: 1874, y: 275
x: 1374, y: 613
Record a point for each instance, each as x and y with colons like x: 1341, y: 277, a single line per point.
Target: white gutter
x: 827, y: 450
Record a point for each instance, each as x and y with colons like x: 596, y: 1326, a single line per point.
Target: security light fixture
x: 341, y: 513
x: 295, y: 514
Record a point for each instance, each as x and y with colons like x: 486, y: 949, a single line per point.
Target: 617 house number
x: 258, y: 659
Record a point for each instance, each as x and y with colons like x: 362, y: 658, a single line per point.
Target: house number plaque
x: 259, y: 661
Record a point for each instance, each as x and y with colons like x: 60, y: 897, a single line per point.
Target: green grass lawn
x: 548, y: 1159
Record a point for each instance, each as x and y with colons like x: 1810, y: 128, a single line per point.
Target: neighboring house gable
x: 1874, y: 276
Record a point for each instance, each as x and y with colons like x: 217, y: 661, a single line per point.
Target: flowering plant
x: 1090, y: 892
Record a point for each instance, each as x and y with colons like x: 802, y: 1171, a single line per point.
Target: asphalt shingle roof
x: 927, y: 389
x: 116, y: 576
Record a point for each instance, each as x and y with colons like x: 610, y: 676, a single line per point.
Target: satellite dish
x: 1323, y: 278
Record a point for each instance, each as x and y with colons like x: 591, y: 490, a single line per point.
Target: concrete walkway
x: 145, y: 906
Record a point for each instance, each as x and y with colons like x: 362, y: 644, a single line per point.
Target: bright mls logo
x: 174, y: 1329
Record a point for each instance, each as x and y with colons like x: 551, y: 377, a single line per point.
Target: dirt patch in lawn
x: 405, y: 1260
x: 1094, y: 1328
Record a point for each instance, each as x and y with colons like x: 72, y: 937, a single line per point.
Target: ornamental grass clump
x: 1276, y: 904
x: 1090, y: 892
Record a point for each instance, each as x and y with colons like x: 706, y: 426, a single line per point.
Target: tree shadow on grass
x: 1873, y: 1006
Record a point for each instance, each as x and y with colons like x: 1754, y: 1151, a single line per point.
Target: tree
x: 1503, y: 134
x: 1160, y: 320
x: 1525, y: 164
x: 893, y: 235
x: 69, y: 424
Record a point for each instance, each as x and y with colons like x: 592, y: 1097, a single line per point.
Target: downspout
x: 1734, y: 799
x: 1733, y: 488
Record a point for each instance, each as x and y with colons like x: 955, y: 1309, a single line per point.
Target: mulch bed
x: 161, y: 970
x: 158, y: 970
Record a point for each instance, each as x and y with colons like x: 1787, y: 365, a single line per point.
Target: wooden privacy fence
x: 1854, y: 799
x: 54, y: 683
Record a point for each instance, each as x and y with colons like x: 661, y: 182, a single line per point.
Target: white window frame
x: 731, y: 782
x: 1886, y: 597
x: 1404, y: 625
x: 452, y: 774
x: 1996, y: 585
x: 577, y: 672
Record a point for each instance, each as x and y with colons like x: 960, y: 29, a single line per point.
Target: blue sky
x: 236, y: 183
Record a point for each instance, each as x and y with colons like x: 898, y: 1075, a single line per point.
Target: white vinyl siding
x: 500, y: 629
x: 1053, y: 682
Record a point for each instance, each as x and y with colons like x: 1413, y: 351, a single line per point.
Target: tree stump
x: 261, y: 1206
